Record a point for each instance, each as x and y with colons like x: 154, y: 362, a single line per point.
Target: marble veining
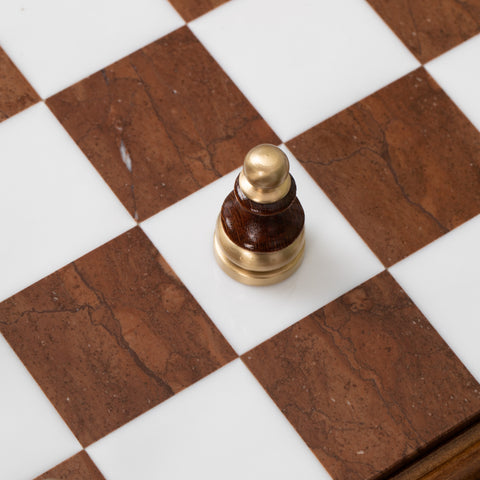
x: 78, y: 467
x: 181, y: 119
x: 394, y: 163
x: 16, y: 94
x: 366, y: 380
x: 191, y: 9
x: 111, y: 335
x: 430, y: 27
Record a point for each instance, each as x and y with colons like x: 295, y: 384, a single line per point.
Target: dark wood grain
x: 366, y: 381
x: 457, y: 459
x: 402, y: 165
x: 430, y: 27
x: 191, y: 9
x: 161, y: 123
x: 16, y: 94
x: 78, y: 467
x: 262, y: 227
x: 112, y: 335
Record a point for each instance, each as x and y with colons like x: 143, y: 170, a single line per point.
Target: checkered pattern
x: 125, y: 352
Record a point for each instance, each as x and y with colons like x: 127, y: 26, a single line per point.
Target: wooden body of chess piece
x: 259, y: 237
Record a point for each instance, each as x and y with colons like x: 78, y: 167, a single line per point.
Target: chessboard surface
x: 125, y: 352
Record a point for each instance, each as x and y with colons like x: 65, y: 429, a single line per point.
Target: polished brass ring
x: 257, y: 268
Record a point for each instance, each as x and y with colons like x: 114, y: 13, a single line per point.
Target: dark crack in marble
x: 78, y: 467
x: 161, y: 123
x: 430, y: 27
x: 402, y: 165
x: 112, y: 335
x: 366, y: 380
x: 16, y: 94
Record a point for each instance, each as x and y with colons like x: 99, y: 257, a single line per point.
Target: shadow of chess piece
x: 259, y: 237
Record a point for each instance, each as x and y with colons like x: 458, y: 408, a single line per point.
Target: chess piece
x: 259, y: 237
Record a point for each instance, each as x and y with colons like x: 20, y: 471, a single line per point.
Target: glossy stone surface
x: 111, y: 335
x: 366, y: 381
x: 394, y: 163
x: 430, y: 27
x: 191, y: 9
x: 161, y: 123
x: 135, y: 363
x: 78, y: 467
x: 16, y: 94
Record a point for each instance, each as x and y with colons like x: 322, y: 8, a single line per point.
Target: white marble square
x: 33, y: 436
x: 222, y: 427
x: 56, y: 43
x: 301, y: 61
x: 458, y: 73
x: 444, y: 282
x: 336, y: 260
x: 54, y: 206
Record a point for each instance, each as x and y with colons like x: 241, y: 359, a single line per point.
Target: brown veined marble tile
x: 78, y: 467
x: 112, y: 335
x: 366, y: 381
x: 161, y: 123
x: 16, y: 94
x: 191, y: 9
x: 402, y: 165
x: 430, y: 27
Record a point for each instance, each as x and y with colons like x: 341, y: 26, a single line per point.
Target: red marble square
x: 402, y: 165
x: 78, y: 467
x: 161, y: 123
x: 16, y: 94
x: 366, y: 381
x: 112, y: 335
x: 430, y: 27
x: 191, y: 9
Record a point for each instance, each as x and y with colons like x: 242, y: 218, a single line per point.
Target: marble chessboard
x: 126, y: 352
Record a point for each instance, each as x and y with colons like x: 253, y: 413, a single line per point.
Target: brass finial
x: 265, y: 176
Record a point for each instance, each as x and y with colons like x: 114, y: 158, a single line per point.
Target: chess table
x: 126, y: 352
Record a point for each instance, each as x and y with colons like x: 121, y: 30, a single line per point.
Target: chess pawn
x: 259, y: 237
